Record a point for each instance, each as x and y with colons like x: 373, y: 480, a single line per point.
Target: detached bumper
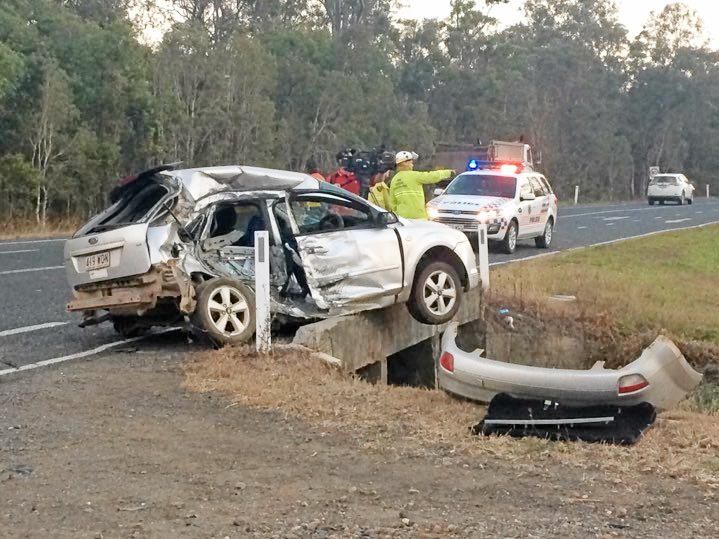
x: 670, y: 378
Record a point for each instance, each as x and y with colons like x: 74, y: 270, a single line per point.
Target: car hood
x: 420, y: 227
x: 469, y: 203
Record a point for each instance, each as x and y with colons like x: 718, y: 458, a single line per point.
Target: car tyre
x: 225, y: 311
x: 509, y: 243
x: 651, y: 202
x: 436, y: 293
x: 682, y: 199
x: 690, y: 201
x: 545, y: 240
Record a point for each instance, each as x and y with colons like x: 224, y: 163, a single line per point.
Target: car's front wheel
x: 436, y: 293
x: 545, y: 240
x: 225, y: 311
x: 651, y: 201
x: 509, y: 243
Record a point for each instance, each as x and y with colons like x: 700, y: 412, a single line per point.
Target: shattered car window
x: 235, y: 224
x: 134, y: 206
x: 321, y: 214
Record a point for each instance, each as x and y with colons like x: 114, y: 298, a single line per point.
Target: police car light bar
x: 506, y: 167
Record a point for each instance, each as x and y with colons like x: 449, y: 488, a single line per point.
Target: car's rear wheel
x: 509, y: 243
x: 225, y: 311
x: 436, y: 293
x: 651, y: 202
x: 690, y: 201
x: 545, y: 240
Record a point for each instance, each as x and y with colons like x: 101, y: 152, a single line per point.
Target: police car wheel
x: 545, y: 240
x: 436, y: 294
x: 509, y: 243
x: 225, y: 312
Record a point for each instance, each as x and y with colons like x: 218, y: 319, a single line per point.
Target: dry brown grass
x: 27, y: 228
x: 408, y: 421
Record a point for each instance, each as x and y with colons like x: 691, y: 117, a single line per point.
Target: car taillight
x: 631, y: 383
x: 447, y: 362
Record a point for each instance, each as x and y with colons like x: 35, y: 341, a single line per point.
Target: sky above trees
x: 632, y: 13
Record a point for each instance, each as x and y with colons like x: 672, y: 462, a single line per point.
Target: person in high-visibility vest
x: 379, y: 192
x: 407, y: 186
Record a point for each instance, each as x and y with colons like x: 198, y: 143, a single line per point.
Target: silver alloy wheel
x: 548, y: 233
x: 512, y: 240
x: 440, y: 293
x: 227, y: 309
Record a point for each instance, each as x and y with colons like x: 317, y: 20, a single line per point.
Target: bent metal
x: 179, y: 244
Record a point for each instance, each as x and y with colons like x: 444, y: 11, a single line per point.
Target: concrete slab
x: 363, y: 339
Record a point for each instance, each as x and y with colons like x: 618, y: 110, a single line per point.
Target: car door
x: 526, y: 206
x: 540, y: 206
x: 348, y: 256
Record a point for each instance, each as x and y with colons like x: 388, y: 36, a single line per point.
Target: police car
x: 513, y: 200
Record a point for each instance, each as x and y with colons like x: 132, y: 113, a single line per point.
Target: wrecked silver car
x: 177, y: 244
x: 661, y: 376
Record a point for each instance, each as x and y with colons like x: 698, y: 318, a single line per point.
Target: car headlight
x: 432, y: 212
x: 486, y: 216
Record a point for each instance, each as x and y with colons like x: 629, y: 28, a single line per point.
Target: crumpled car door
x: 348, y: 258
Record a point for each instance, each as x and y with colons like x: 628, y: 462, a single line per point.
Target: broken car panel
x: 661, y: 376
x: 150, y: 257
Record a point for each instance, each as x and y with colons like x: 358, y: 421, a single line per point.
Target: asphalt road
x: 34, y: 326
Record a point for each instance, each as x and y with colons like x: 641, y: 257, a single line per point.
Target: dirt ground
x: 117, y: 447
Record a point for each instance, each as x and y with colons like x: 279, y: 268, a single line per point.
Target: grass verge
x: 665, y: 282
x: 404, y: 421
x: 25, y: 228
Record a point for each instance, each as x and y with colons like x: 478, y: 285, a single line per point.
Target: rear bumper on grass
x: 668, y: 376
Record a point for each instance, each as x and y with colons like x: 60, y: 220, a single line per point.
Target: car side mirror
x: 439, y: 191
x: 527, y: 197
x: 387, y: 218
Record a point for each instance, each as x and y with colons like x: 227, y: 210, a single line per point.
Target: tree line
x: 84, y: 100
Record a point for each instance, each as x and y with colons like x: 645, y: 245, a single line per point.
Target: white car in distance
x: 514, y: 202
x: 670, y: 187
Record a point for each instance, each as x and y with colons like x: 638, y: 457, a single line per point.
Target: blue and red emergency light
x: 506, y: 167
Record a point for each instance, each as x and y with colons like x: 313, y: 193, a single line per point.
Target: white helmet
x: 405, y: 156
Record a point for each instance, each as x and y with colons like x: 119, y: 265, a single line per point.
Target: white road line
x: 581, y: 227
x: 698, y: 212
x: 674, y: 221
x: 9, y: 272
x: 610, y: 242
x: 616, y: 218
x: 611, y: 224
x: 31, y: 241
x: 16, y: 252
x: 659, y: 217
x: 86, y: 353
x: 27, y: 329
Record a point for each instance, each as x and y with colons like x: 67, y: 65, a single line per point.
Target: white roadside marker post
x: 576, y: 195
x: 483, y: 255
x: 707, y: 190
x: 262, y: 292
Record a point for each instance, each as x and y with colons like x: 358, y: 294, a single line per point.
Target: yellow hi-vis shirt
x: 407, y: 193
x: 379, y: 196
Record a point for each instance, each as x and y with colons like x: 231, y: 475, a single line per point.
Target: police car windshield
x: 665, y: 180
x: 486, y: 185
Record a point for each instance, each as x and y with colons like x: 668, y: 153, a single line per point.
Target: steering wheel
x: 331, y: 221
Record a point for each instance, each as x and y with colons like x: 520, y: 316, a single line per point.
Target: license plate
x: 457, y: 227
x: 97, y: 261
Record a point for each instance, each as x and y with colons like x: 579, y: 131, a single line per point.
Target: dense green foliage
x: 287, y: 83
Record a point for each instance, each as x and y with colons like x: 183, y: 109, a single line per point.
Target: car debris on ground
x: 622, y: 425
x: 661, y: 376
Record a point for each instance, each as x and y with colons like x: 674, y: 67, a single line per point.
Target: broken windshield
x: 483, y: 185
